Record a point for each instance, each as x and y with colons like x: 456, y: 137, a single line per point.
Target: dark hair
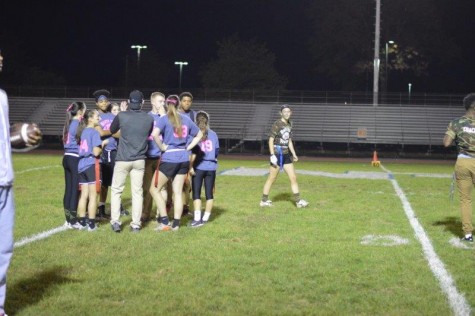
x: 202, y: 120
x: 469, y: 101
x: 71, y: 112
x: 186, y: 94
x: 85, y: 120
x: 172, y: 113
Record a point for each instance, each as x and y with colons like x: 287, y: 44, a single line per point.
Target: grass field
x: 353, y: 251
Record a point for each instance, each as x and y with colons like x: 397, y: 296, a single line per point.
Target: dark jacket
x: 135, y: 127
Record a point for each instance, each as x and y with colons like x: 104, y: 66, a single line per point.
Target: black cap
x: 101, y: 94
x: 136, y: 100
x: 136, y: 97
x: 284, y: 106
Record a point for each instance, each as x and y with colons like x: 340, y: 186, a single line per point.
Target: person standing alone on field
x: 462, y: 131
x: 280, y: 147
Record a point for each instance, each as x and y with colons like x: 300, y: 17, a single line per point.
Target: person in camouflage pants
x: 462, y: 131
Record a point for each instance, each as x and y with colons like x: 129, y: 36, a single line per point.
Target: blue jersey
x: 6, y: 166
x: 206, y: 158
x: 153, y: 151
x: 90, y: 138
x: 71, y: 145
x: 105, y: 120
x: 176, y: 151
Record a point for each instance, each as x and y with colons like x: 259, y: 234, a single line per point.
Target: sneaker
x: 134, y: 229
x: 302, y: 203
x: 77, y: 226
x: 67, y: 225
x: 468, y: 239
x: 196, y: 223
x: 91, y: 229
x: 265, y: 203
x: 163, y: 227
x: 175, y: 228
x: 116, y: 227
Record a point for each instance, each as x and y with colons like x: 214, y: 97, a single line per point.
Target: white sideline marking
x: 35, y: 169
x: 39, y: 236
x: 383, y: 240
x: 456, y: 300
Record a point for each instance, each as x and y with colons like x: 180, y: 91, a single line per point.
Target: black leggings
x: 71, y: 189
x: 197, y: 182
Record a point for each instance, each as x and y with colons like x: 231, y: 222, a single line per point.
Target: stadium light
x: 386, y: 69
x: 138, y: 48
x: 181, y: 64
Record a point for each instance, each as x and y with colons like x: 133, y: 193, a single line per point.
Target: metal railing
x: 278, y: 96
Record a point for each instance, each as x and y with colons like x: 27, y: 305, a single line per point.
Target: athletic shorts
x: 107, y: 166
x: 88, y: 176
x: 171, y: 169
x: 286, y: 157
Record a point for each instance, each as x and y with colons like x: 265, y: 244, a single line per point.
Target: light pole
x: 386, y: 69
x: 181, y: 64
x: 138, y: 48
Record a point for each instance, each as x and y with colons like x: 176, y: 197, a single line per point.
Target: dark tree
x: 242, y: 65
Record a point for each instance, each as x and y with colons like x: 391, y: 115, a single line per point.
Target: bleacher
x: 319, y: 123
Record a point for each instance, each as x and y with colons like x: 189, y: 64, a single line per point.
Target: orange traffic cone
x: 375, y: 162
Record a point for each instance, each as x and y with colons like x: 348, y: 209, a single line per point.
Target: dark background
x: 87, y: 42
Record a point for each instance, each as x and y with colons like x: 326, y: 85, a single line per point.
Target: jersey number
x: 206, y: 146
x: 184, y: 132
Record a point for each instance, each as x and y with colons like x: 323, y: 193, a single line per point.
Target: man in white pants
x: 135, y: 126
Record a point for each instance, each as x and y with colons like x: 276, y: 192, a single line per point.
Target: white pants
x: 121, y: 170
x: 7, y: 219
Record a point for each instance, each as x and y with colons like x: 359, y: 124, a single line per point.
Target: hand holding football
x: 25, y: 135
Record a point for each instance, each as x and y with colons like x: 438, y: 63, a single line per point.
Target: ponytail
x: 71, y: 112
x: 202, y: 120
x: 83, y: 123
x: 173, y: 116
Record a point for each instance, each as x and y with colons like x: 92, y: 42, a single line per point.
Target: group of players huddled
x: 167, y: 153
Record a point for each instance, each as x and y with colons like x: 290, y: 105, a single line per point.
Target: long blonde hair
x: 174, y: 117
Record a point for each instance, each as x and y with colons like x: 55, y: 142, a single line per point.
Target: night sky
x: 86, y: 42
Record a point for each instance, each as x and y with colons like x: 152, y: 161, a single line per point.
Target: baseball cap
x: 136, y: 97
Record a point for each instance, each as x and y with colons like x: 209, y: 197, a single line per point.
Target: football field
x: 373, y: 241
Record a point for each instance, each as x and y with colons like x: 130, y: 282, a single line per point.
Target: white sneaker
x: 302, y: 203
x: 163, y: 227
x: 267, y: 203
x: 67, y: 225
x: 77, y: 226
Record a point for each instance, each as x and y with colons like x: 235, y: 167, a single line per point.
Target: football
x: 25, y: 136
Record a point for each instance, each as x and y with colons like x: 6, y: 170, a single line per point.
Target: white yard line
x: 457, y: 301
x: 37, y: 168
x: 39, y: 236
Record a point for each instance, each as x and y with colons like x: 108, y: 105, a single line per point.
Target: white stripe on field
x: 39, y: 236
x: 456, y: 300
x: 35, y: 169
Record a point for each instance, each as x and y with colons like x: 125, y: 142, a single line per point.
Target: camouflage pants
x: 465, y: 176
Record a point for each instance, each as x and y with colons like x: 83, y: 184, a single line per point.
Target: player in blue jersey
x: 204, y: 165
x: 90, y: 149
x: 153, y: 156
x: 74, y: 114
x: 176, y: 130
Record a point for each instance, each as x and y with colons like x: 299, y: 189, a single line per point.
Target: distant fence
x: 277, y: 96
